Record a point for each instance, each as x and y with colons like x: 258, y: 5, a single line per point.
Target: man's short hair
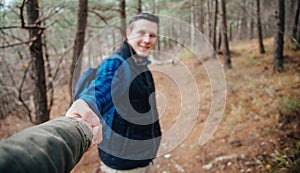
x: 146, y: 16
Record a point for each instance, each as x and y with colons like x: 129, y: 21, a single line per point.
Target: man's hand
x: 80, y: 109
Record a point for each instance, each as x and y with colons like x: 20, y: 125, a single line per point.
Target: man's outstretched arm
x: 54, y: 146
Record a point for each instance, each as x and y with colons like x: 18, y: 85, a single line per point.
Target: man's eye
x: 152, y: 35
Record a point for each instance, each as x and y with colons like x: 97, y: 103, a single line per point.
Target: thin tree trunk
x: 37, y: 67
x: 295, y: 26
x: 279, y: 37
x: 78, y: 42
x: 230, y: 31
x: 251, y: 34
x: 122, y: 7
x: 201, y: 17
x: 226, y: 52
x: 192, y: 14
x: 139, y: 7
x: 243, y: 28
x: 220, y: 38
x: 298, y: 38
x: 289, y: 21
x: 259, y: 29
x: 215, y: 25
x: 208, y: 19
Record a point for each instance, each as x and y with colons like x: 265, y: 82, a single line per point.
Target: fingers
x: 89, y: 116
x: 94, y: 121
x: 97, y: 134
x: 80, y: 109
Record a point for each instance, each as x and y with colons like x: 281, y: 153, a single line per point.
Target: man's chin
x: 143, y: 55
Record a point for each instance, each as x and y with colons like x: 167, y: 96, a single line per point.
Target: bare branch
x: 103, y: 8
x: 23, y: 27
x: 99, y: 15
x: 20, y: 92
x: 50, y: 88
x: 22, y: 42
x: 12, y: 36
x: 22, y: 14
x: 295, y: 41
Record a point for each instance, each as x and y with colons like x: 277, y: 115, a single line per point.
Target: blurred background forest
x: 257, y: 41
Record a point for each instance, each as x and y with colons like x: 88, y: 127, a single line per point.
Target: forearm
x: 55, y: 146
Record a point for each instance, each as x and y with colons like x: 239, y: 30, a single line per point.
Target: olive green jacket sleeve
x: 54, y: 146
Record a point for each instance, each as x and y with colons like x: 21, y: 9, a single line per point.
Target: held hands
x: 80, y: 109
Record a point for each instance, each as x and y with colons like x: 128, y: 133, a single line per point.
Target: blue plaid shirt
x: 98, y: 94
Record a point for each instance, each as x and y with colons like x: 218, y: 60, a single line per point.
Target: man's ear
x: 128, y: 32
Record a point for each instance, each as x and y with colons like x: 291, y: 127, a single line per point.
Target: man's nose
x: 146, y: 38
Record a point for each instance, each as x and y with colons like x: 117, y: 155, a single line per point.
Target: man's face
x: 142, y: 37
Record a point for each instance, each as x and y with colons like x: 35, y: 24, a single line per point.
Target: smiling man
x: 141, y: 36
x: 135, y: 134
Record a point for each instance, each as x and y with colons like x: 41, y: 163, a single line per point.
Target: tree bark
x: 215, y: 25
x: 251, y: 31
x: 122, y: 7
x: 201, y: 16
x: 219, y: 39
x: 279, y: 37
x: 78, y: 42
x: 192, y: 14
x: 296, y: 39
x: 37, y: 67
x: 226, y: 52
x: 243, y: 27
x: 139, y: 7
x: 259, y: 29
x: 208, y: 20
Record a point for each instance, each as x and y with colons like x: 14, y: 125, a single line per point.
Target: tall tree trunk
x: 226, y: 51
x: 230, y: 31
x: 215, y: 25
x: 289, y: 20
x: 251, y: 31
x: 122, y: 7
x: 208, y: 19
x: 219, y: 38
x: 139, y: 7
x: 243, y: 28
x: 78, y: 42
x: 295, y: 26
x: 201, y: 17
x: 192, y: 14
x: 37, y: 67
x: 259, y: 29
x: 279, y: 37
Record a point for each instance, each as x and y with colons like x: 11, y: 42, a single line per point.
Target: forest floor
x: 259, y: 130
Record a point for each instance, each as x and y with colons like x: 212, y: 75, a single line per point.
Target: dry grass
x: 263, y: 107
